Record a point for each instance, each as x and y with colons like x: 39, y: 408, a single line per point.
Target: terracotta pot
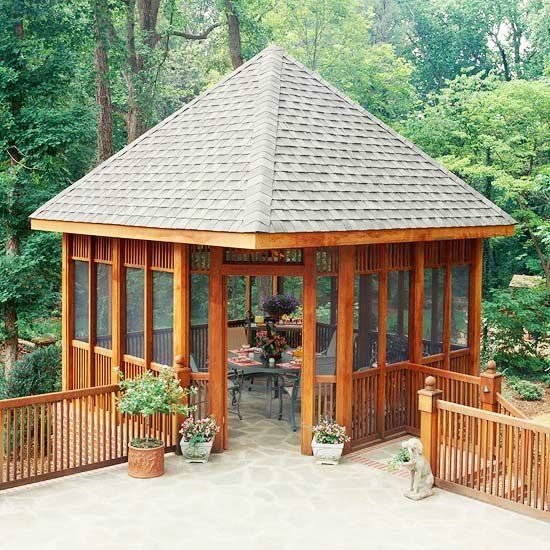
x: 145, y: 463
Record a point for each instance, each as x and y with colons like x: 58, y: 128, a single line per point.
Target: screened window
x: 236, y: 298
x: 200, y: 290
x: 260, y: 289
x: 81, y: 293
x: 163, y: 317
x: 432, y: 329
x: 365, y: 315
x: 135, y: 281
x: 459, y: 306
x: 397, y: 338
x: 327, y: 318
x: 103, y: 305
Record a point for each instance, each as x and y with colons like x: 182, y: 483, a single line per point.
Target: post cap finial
x: 491, y: 367
x: 430, y: 383
x: 179, y: 360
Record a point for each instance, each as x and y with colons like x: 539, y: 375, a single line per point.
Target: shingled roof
x: 272, y: 148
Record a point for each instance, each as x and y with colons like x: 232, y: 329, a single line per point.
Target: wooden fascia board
x: 259, y: 241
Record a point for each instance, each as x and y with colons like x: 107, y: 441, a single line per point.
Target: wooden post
x: 447, y: 308
x: 309, y: 306
x: 91, y: 312
x: 491, y: 384
x: 382, y: 339
x: 117, y: 307
x: 67, y: 312
x: 148, y: 304
x: 416, y: 306
x: 344, y: 337
x: 216, y: 344
x: 181, y: 323
x: 427, y: 405
x: 474, y: 305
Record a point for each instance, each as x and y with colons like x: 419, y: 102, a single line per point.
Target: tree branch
x: 191, y: 36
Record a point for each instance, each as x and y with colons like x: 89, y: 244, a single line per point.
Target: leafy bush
x: 149, y: 394
x: 528, y: 391
x: 38, y: 372
x: 402, y: 457
x: 517, y: 328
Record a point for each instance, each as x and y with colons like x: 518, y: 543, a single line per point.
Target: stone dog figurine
x: 422, y: 478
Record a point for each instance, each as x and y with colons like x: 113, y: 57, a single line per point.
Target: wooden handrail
x: 56, y: 396
x: 445, y: 373
x: 511, y: 408
x: 493, y: 417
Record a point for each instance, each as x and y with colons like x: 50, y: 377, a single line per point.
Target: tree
x: 43, y: 115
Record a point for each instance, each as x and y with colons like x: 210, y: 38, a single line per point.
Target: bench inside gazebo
x: 272, y: 179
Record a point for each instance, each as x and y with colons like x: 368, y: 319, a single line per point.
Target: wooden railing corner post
x: 427, y: 405
x: 490, y: 386
x: 183, y: 374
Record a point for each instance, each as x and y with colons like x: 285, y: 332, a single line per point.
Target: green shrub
x: 528, y: 391
x: 38, y: 372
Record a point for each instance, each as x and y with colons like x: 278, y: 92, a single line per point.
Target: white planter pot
x: 196, y: 453
x: 327, y: 453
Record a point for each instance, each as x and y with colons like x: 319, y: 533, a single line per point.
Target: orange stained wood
x: 117, y: 308
x: 91, y: 313
x: 309, y: 343
x: 67, y: 319
x: 474, y: 305
x: 416, y: 305
x: 273, y: 240
x: 181, y: 302
x: 216, y: 339
x: 344, y: 342
x: 382, y: 340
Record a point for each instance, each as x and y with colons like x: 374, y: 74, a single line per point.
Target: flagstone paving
x: 263, y: 495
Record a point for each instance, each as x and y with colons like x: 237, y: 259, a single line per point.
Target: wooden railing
x: 324, y: 403
x: 364, y: 408
x: 507, y: 408
x: 501, y: 459
x: 57, y: 434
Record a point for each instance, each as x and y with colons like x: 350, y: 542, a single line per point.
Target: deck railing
x: 57, y: 434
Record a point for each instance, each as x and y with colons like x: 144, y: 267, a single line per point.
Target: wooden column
x: 447, y: 308
x: 474, y: 305
x: 91, y: 312
x: 427, y: 404
x: 216, y: 344
x: 309, y: 305
x: 67, y: 311
x: 148, y: 304
x: 181, y: 302
x: 344, y: 337
x: 382, y: 340
x: 117, y: 307
x: 416, y: 305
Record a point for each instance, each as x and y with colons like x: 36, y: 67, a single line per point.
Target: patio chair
x: 331, y: 349
x: 289, y: 384
x: 235, y: 382
x: 236, y: 337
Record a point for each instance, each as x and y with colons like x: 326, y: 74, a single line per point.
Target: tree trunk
x: 11, y: 342
x: 105, y: 146
x: 234, y: 35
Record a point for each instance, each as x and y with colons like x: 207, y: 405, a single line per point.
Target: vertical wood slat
x: 67, y: 305
x: 474, y: 304
x: 309, y: 345
x: 416, y: 309
x: 117, y: 308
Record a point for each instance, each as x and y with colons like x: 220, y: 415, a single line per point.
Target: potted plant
x: 145, y: 396
x: 197, y: 438
x: 328, y: 441
x: 400, y: 460
x: 271, y: 344
x: 280, y: 304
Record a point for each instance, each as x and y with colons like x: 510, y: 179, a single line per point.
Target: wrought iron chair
x: 235, y: 383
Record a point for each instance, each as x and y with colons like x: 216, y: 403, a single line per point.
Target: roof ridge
x: 256, y: 212
x: 353, y: 104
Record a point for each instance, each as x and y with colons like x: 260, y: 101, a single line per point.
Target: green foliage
x: 38, y: 372
x: 528, y: 391
x: 401, y: 457
x: 517, y: 324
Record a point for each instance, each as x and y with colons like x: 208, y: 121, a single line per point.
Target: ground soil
x: 537, y: 410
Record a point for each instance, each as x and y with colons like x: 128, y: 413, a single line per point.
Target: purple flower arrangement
x: 280, y: 304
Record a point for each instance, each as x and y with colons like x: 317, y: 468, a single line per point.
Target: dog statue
x: 422, y: 478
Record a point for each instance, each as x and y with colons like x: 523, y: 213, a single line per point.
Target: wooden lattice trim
x: 134, y: 253
x: 379, y: 257
x: 200, y: 258
x: 326, y: 260
x: 460, y: 251
x: 80, y: 247
x: 399, y: 256
x: 434, y: 254
x: 162, y: 256
x: 103, y: 249
x: 292, y: 256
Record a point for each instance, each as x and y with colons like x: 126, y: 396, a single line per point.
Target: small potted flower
x: 143, y: 397
x: 197, y: 438
x: 401, y: 460
x: 328, y: 441
x: 281, y: 304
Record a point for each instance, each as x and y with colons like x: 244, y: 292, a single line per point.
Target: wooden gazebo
x: 273, y: 172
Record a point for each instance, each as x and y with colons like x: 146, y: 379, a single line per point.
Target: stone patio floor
x: 260, y: 495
